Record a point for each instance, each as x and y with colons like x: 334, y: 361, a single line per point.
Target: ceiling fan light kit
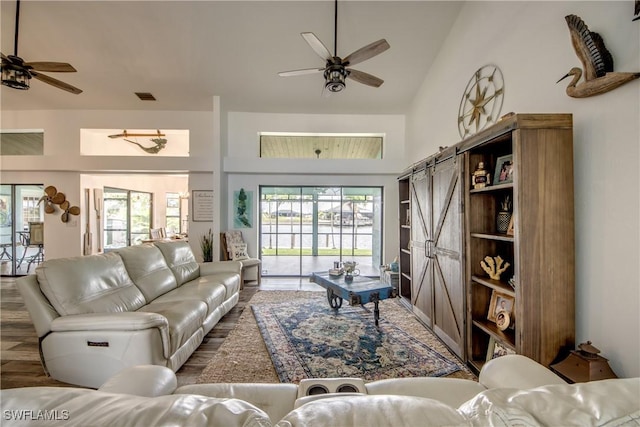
x: 15, y: 77
x: 335, y: 76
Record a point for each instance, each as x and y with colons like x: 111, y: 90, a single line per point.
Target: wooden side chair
x: 234, y: 248
x: 157, y: 233
x: 33, y: 239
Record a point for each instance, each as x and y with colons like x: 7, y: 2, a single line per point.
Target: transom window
x: 320, y: 146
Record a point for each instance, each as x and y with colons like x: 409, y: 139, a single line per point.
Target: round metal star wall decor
x: 482, y: 101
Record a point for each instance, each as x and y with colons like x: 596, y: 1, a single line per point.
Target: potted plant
x: 206, y: 244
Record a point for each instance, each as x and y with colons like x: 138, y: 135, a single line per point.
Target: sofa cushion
x: 372, y: 411
x: 89, y: 284
x: 230, y: 281
x: 212, y: 294
x: 613, y: 402
x: 184, y: 318
x: 148, y: 270
x: 180, y: 259
x: 452, y: 391
x: 81, y: 407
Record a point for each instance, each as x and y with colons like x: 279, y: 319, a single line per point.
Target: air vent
x: 145, y: 96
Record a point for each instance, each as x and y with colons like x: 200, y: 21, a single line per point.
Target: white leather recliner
x: 148, y: 304
x: 512, y: 391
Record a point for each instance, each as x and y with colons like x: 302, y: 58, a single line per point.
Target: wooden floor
x: 20, y: 362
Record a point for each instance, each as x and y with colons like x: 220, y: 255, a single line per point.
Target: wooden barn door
x: 421, y: 231
x: 446, y: 254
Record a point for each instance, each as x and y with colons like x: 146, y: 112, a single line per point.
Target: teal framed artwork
x: 243, y: 209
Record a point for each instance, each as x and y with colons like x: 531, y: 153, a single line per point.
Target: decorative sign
x: 202, y: 205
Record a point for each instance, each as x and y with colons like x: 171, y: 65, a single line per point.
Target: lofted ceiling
x: 185, y: 52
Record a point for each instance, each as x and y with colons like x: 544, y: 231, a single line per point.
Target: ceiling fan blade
x: 364, y: 53
x: 56, y: 67
x: 365, y: 78
x: 300, y: 72
x: 55, y: 82
x: 317, y: 46
x: 4, y: 56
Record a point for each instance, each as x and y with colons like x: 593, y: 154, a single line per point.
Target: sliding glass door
x: 127, y: 217
x: 19, y: 210
x: 306, y: 229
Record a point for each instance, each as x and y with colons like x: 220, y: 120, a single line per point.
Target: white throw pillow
x: 239, y: 251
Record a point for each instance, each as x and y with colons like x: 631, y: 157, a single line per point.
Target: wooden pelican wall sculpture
x: 596, y: 60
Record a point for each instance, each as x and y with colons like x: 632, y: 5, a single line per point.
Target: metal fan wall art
x: 68, y: 210
x: 52, y: 199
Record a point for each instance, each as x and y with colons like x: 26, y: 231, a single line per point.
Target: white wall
x: 61, y: 239
x: 244, y: 169
x: 530, y: 43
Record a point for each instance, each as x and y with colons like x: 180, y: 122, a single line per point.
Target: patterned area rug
x: 311, y: 340
x: 243, y: 356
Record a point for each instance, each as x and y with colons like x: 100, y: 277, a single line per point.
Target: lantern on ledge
x: 584, y: 365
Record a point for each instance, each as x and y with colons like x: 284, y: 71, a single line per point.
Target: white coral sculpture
x: 494, y: 266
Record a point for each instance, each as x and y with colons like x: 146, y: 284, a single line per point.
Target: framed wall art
x: 202, y: 207
x: 242, y: 209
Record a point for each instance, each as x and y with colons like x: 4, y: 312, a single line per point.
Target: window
x: 172, y: 214
x: 31, y: 209
x: 127, y: 217
x: 22, y: 143
x: 307, y: 229
x: 320, y: 146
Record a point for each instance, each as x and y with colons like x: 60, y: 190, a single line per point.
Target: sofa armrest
x: 207, y: 268
x: 40, y: 309
x: 115, y: 322
x: 126, y: 321
x: 142, y: 380
x: 516, y: 371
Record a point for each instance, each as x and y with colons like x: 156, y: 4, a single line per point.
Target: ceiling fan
x: 338, y: 69
x: 16, y: 73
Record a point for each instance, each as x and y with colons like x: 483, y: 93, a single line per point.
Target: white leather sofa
x: 511, y: 391
x: 150, y: 304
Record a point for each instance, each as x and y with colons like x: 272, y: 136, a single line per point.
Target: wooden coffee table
x: 360, y: 291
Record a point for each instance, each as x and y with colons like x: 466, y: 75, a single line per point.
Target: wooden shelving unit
x: 540, y: 250
x: 404, y: 219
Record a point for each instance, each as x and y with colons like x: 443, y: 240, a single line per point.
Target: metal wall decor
x: 481, y: 101
x: 159, y: 141
x: 53, y: 198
